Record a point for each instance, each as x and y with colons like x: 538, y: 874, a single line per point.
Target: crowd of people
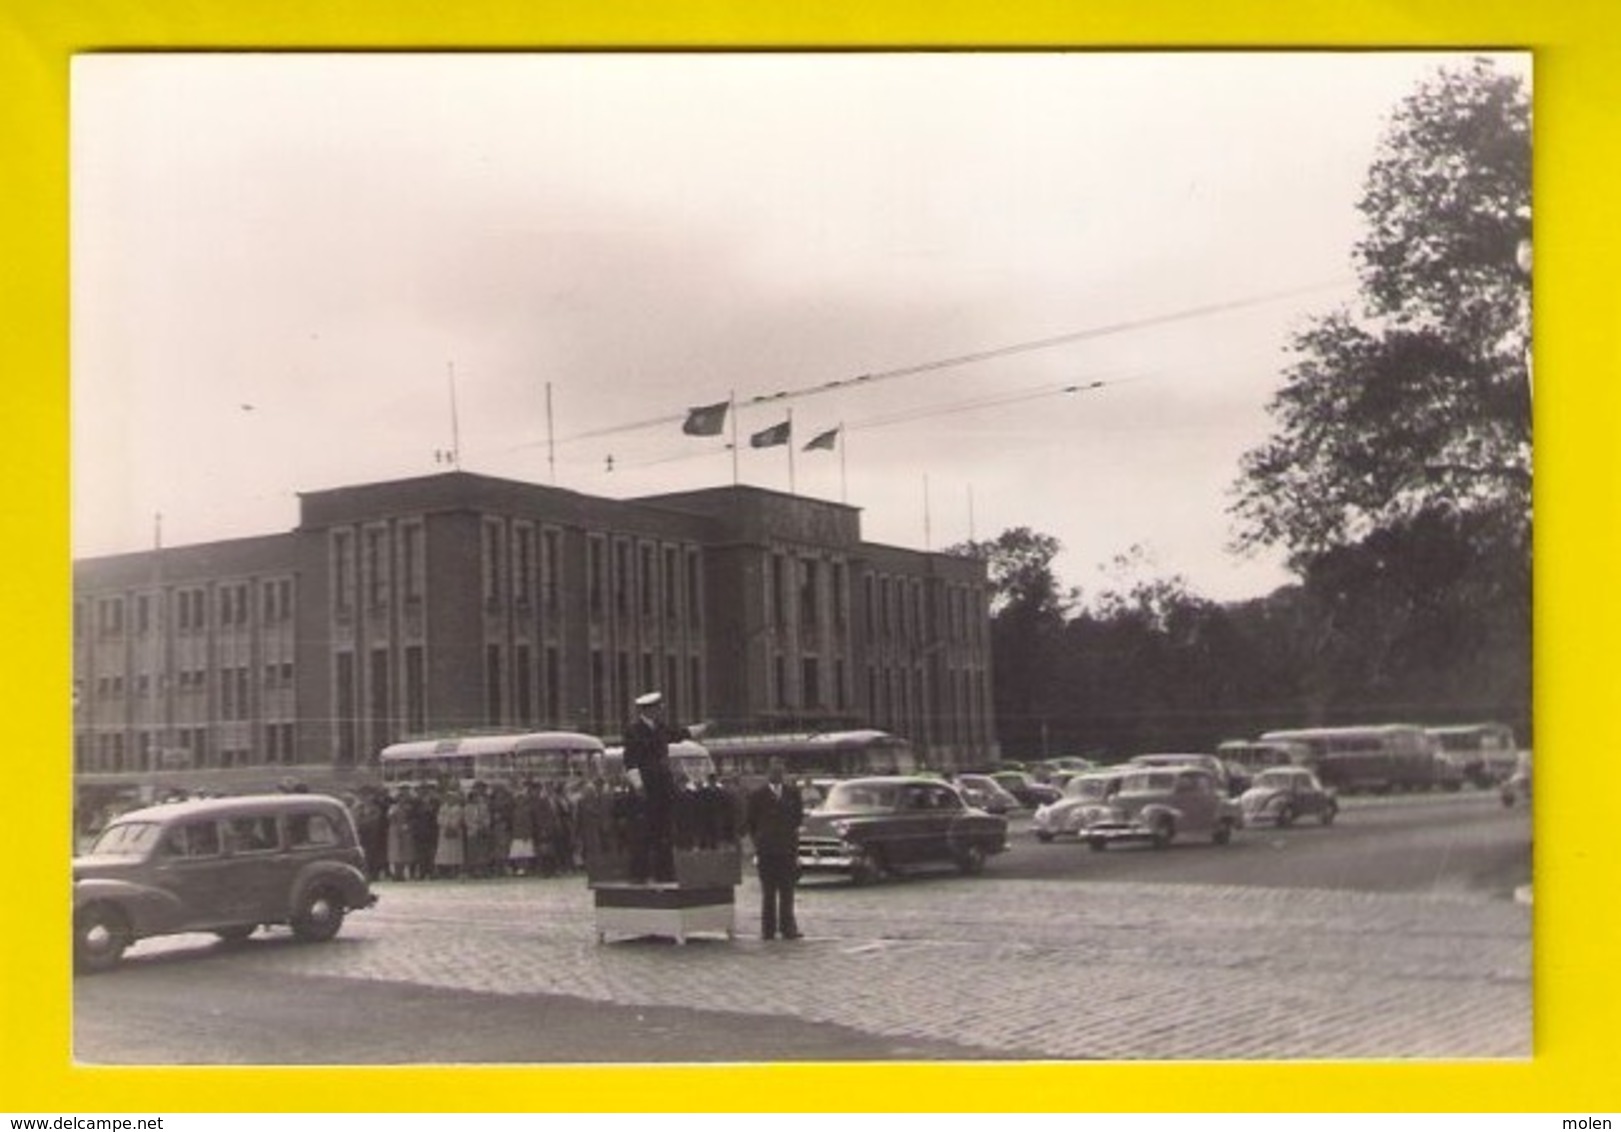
x: 430, y: 830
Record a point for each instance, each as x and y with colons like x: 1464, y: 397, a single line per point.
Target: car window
x: 860, y: 796
x: 252, y: 834
x: 192, y: 839
x: 307, y: 830
x: 945, y: 798
x: 127, y: 839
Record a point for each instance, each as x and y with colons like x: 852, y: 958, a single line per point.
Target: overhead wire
x: 868, y: 379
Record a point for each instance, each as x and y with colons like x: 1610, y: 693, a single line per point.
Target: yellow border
x: 1578, y: 96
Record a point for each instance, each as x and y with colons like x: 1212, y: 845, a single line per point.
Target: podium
x: 701, y: 899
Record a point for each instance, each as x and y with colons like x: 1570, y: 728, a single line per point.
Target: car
x: 1211, y: 763
x: 985, y: 793
x: 1280, y: 795
x: 1517, y: 786
x: 868, y: 828
x: 1085, y: 800
x: 1025, y: 789
x: 1158, y: 804
x: 223, y: 865
x: 1059, y: 764
x: 1245, y: 758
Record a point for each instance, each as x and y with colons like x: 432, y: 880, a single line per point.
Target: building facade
x: 457, y: 602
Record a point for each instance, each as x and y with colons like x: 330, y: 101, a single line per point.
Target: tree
x: 1422, y: 402
x: 1398, y: 476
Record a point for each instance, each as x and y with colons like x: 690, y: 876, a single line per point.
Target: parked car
x: 1158, y: 804
x: 221, y: 865
x: 1047, y: 768
x: 1210, y: 763
x: 985, y: 793
x: 869, y: 827
x: 1025, y: 789
x: 1282, y: 794
x: 1085, y: 800
x: 1517, y: 786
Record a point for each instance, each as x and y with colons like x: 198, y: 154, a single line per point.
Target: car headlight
x: 840, y: 827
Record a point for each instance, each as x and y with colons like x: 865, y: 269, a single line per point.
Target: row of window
x: 896, y: 608
x: 233, y: 683
x: 182, y: 748
x: 653, y: 587
x: 145, y: 611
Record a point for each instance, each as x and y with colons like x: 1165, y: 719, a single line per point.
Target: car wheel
x: 1286, y: 817
x: 867, y: 870
x: 1043, y: 836
x: 320, y: 914
x: 1223, y: 833
x: 100, y: 937
x: 1097, y: 844
x: 1329, y: 813
x: 1508, y: 799
x: 971, y: 860
x: 236, y: 933
x: 1164, y: 833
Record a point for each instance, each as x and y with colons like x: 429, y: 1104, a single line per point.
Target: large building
x: 458, y: 602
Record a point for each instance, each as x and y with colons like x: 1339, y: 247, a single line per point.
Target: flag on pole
x: 828, y: 440
x: 773, y: 436
x: 706, y: 420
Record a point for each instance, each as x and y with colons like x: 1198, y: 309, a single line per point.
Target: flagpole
x: 731, y: 401
x: 790, y: 447
x: 551, y: 440
x: 844, y: 482
x: 927, y: 538
x: 455, y: 426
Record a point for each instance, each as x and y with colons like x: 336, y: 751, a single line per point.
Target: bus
x: 824, y: 754
x: 688, y: 759
x: 1378, y: 758
x: 532, y: 754
x: 1486, y: 751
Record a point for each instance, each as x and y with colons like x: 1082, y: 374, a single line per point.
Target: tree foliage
x: 1421, y: 403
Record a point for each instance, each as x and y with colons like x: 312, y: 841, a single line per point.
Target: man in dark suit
x: 647, y: 752
x: 774, y: 813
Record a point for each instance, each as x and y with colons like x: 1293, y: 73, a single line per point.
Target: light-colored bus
x: 689, y: 759
x: 1378, y: 758
x: 532, y: 754
x: 1486, y: 751
x: 826, y: 754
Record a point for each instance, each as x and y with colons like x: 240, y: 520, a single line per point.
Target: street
x: 1393, y: 933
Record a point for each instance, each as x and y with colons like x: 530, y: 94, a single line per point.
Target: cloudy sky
x: 295, y: 272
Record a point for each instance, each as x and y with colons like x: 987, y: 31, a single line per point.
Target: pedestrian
x: 521, y: 848
x: 424, y: 830
x: 451, y: 852
x: 647, y: 752
x: 402, y: 848
x: 371, y: 824
x: 775, y: 810
x: 476, y: 830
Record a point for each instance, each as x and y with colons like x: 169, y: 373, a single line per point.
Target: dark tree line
x: 1397, y: 479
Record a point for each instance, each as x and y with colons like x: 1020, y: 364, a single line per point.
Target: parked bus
x: 828, y: 754
x: 1486, y: 751
x: 1380, y: 758
x: 534, y: 754
x: 688, y: 759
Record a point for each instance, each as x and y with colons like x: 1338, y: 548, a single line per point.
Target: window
x: 194, y: 839
x: 621, y: 579
x: 416, y: 709
x: 595, y: 567
x: 841, y: 602
x: 111, y: 614
x: 143, y: 614
x: 523, y: 582
x: 523, y: 679
x: 808, y: 581
x: 779, y: 585
x: 551, y: 567
x: 252, y: 834
x: 343, y: 572
x: 310, y: 831
x: 492, y: 685
x: 376, y: 568
x: 493, y: 558
x: 672, y: 590
x: 810, y: 681
x: 694, y: 589
x: 649, y: 580
x: 412, y: 566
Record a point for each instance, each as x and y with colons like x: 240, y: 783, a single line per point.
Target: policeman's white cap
x: 648, y: 699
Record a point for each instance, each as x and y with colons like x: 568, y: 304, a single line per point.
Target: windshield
x: 127, y: 839
x: 1277, y: 779
x: 870, y: 797
x: 1148, y: 782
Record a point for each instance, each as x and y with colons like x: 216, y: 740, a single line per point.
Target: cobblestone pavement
x: 1035, y: 970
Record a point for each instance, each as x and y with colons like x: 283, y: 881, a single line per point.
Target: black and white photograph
x: 704, y: 557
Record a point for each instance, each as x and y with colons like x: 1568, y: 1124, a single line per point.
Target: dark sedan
x: 871, y: 827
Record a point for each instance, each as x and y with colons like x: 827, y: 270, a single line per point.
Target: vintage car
x: 1085, y: 800
x: 1159, y: 804
x: 1280, y: 795
x: 1025, y: 789
x: 869, y: 827
x: 1211, y: 763
x: 221, y: 865
x: 985, y: 793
